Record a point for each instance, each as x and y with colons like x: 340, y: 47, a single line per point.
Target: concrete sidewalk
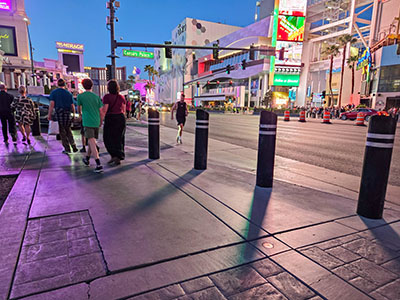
x: 161, y: 230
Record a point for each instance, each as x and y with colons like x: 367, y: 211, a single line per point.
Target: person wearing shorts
x: 90, y: 109
x: 181, y: 114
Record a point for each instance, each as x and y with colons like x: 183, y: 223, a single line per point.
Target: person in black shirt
x: 181, y: 113
x: 6, y: 114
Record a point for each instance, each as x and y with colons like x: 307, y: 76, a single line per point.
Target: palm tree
x: 331, y: 51
x: 351, y: 61
x: 149, y: 69
x: 344, y: 40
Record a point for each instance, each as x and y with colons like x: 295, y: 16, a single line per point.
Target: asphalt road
x: 339, y: 146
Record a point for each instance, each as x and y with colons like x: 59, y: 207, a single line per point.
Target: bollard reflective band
x: 380, y: 140
x: 267, y: 132
x: 202, y: 126
x: 201, y: 121
x: 267, y: 126
x: 153, y: 121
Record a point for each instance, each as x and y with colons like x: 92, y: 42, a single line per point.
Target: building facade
x: 99, y: 78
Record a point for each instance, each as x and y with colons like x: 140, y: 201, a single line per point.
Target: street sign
x: 139, y: 54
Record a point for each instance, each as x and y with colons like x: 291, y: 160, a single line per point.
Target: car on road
x: 43, y: 103
x: 163, y: 108
x: 352, y: 115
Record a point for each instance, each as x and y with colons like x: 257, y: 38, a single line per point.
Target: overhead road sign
x: 138, y: 54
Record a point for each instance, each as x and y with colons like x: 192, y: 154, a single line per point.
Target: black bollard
x: 36, y: 126
x: 154, y: 133
x: 266, y: 149
x: 201, y: 140
x: 375, y: 173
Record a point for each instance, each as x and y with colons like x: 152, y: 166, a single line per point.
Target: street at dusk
x: 200, y: 150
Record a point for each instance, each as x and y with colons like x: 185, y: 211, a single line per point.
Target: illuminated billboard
x: 291, y: 53
x: 70, y: 46
x: 290, y: 28
x: 293, y: 7
x: 5, y: 4
x: 287, y: 79
x: 8, y: 42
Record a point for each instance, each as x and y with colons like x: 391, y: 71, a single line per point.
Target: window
x: 389, y: 79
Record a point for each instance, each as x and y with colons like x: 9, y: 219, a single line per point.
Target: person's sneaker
x: 177, y: 139
x: 83, y: 150
x: 66, y: 152
x: 14, y: 139
x: 99, y: 169
x: 29, y: 141
x: 111, y: 161
x: 85, y: 161
x: 116, y: 162
x: 74, y: 149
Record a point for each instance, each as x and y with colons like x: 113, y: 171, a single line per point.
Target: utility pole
x: 111, y: 5
x: 31, y: 50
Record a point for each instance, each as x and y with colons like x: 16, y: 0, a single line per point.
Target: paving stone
x: 72, y: 292
x: 86, y: 267
x: 373, y: 251
x: 50, y: 224
x: 363, y: 284
x: 337, y: 242
x: 83, y: 246
x: 185, y: 297
x: 371, y: 272
x: 391, y: 290
x: 290, y: 286
x: 237, y: 280
x: 41, y: 269
x: 210, y: 293
x: 377, y: 296
x: 195, y: 285
x: 70, y: 220
x: 316, y: 298
x: 170, y: 292
x: 85, y: 218
x: 344, y: 273
x: 40, y: 285
x: 261, y: 292
x: 393, y: 266
x: 51, y: 236
x: 80, y: 232
x: 31, y: 237
x: 267, y: 267
x: 343, y: 254
x: 322, y: 257
x: 33, y: 225
x: 46, y: 250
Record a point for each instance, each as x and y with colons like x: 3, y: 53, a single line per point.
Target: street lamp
x: 30, y: 48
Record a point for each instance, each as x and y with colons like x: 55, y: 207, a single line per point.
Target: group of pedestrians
x: 19, y: 110
x: 92, y: 110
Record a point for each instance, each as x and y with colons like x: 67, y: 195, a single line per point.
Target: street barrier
x: 360, y: 119
x: 36, y: 126
x: 375, y: 173
x: 201, y: 140
x: 266, y: 149
x: 302, y: 117
x: 327, y: 117
x: 153, y: 121
x: 286, y: 116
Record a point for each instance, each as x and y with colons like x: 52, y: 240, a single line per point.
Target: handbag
x: 53, y: 128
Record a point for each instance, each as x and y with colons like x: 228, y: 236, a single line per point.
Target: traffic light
x: 252, y: 52
x: 230, y: 83
x: 168, y: 50
x: 72, y: 84
x: 108, y: 72
x: 323, y: 94
x: 244, y: 63
x: 228, y: 69
x: 282, y: 53
x: 215, y: 51
x: 198, y: 84
x: 208, y: 82
x: 217, y: 82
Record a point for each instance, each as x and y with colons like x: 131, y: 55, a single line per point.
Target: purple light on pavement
x: 5, y: 4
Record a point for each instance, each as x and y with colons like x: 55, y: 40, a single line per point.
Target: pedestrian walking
x: 181, y: 114
x: 7, y: 114
x: 62, y: 102
x: 114, y: 123
x: 25, y: 113
x: 128, y: 108
x: 90, y: 110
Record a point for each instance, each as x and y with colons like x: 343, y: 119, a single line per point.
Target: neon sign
x: 71, y: 46
x: 290, y: 28
x: 5, y: 4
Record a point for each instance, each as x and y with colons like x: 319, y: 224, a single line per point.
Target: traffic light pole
x: 112, y: 36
